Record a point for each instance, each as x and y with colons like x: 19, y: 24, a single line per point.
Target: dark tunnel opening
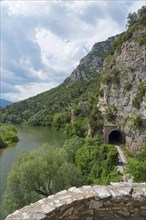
x: 116, y: 137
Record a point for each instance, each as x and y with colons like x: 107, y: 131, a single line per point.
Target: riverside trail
x: 122, y: 163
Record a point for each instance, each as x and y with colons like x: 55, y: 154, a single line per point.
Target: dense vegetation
x: 73, y: 108
x: 8, y: 135
x: 136, y: 165
x: 135, y: 21
x: 57, y: 106
x: 48, y: 170
x: 60, y: 105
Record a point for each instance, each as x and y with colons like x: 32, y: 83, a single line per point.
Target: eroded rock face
x: 91, y: 62
x: 129, y: 68
x: 117, y: 201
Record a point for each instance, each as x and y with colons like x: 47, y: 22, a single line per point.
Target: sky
x: 42, y: 42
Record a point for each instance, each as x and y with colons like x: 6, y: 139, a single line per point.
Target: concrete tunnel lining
x: 116, y: 137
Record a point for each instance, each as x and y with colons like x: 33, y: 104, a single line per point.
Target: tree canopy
x: 139, y: 17
x: 37, y: 174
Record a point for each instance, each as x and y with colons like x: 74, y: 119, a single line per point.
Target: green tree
x: 68, y: 175
x: 96, y: 120
x: 131, y: 19
x: 60, y: 120
x: 78, y: 128
x: 38, y: 174
x: 98, y: 163
x: 137, y: 166
x: 142, y: 15
x: 8, y: 134
x: 71, y: 145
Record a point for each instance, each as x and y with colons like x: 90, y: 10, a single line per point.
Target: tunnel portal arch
x: 116, y: 137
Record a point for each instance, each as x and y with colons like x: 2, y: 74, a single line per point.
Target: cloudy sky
x: 43, y: 41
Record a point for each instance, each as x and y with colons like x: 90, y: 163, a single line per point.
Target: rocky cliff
x: 123, y: 90
x: 115, y: 83
x: 92, y: 61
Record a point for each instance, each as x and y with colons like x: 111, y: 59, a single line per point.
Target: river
x: 30, y: 138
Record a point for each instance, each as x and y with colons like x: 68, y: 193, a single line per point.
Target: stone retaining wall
x: 117, y: 201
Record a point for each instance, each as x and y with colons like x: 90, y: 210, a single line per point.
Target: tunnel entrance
x: 116, y: 137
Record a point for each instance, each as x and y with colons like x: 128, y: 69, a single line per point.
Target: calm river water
x: 30, y: 138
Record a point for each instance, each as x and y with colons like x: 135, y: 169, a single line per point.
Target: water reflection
x: 30, y: 138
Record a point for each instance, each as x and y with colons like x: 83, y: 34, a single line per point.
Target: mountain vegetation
x: 72, y: 105
x: 8, y: 135
x: 48, y: 170
x: 4, y: 102
x: 108, y: 87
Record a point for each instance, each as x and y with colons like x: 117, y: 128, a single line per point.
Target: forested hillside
x: 108, y: 87
x: 75, y: 98
x: 73, y: 104
x: 4, y: 102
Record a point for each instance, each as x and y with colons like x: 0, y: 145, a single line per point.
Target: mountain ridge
x: 107, y: 87
x: 4, y: 102
x: 93, y: 60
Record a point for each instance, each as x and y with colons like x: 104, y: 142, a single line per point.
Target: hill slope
x: 79, y: 85
x: 4, y: 102
x: 107, y: 87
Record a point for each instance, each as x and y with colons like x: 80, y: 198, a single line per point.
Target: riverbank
x: 8, y: 135
x: 30, y: 139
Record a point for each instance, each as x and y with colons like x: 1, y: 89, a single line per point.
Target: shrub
x: 118, y: 42
x: 97, y: 163
x: 8, y: 134
x: 101, y: 93
x: 137, y: 166
x: 78, y: 127
x: 96, y: 120
x: 129, y: 33
x: 137, y: 121
x: 142, y: 40
x: 115, y: 76
x: 111, y: 77
x: 128, y: 86
x: 139, y: 96
x: 106, y: 79
x: 110, y: 113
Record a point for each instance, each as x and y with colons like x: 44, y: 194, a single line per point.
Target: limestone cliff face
x: 123, y: 91
x: 91, y: 62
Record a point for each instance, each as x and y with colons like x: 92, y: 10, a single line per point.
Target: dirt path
x: 122, y: 164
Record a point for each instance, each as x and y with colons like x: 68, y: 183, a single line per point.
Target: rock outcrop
x: 124, y: 90
x: 117, y: 201
x: 92, y: 62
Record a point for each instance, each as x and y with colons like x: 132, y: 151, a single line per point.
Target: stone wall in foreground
x: 117, y: 201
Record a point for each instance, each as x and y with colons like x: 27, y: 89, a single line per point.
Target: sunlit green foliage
x: 139, y: 96
x: 79, y: 127
x: 39, y: 173
x: 128, y: 86
x: 111, y: 113
x: 60, y: 120
x: 8, y: 134
x: 142, y: 40
x: 113, y: 76
x: 137, y: 166
x: 96, y: 121
x: 97, y: 163
x: 134, y: 22
x: 71, y: 145
x: 54, y: 107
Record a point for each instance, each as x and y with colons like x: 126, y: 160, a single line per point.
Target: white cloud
x: 26, y: 90
x: 26, y: 8
x: 43, y: 41
x: 136, y: 5
x: 57, y: 52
